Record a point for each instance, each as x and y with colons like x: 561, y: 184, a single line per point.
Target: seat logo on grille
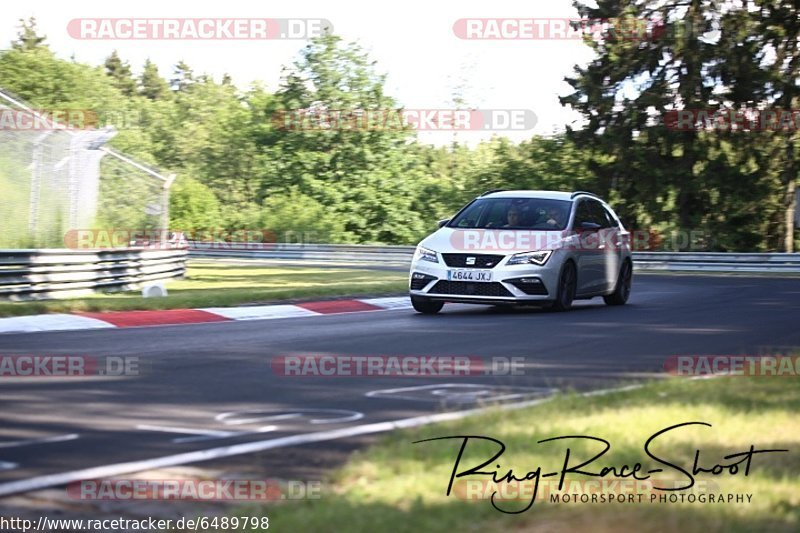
x: 470, y: 260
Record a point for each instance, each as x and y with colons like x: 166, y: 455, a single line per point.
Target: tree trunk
x: 790, y: 202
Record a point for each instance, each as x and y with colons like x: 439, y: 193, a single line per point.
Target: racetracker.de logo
x: 746, y: 119
x: 734, y: 365
x: 396, y: 366
x: 194, y: 489
x: 197, y: 29
x: 404, y: 119
x: 67, y: 366
x: 47, y: 119
x: 553, y: 28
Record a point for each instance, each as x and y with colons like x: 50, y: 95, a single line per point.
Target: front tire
x: 567, y: 287
x: 426, y: 306
x: 623, y: 289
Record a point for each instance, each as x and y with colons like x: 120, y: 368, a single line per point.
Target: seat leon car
x: 542, y: 248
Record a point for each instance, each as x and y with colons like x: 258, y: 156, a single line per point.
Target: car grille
x: 466, y: 288
x: 481, y: 261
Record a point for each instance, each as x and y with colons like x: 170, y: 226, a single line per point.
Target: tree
x: 193, y: 206
x: 120, y: 72
x: 777, y: 37
x: 295, y: 217
x: 182, y: 77
x: 151, y: 84
x: 28, y: 37
x: 360, y: 173
x: 689, y: 179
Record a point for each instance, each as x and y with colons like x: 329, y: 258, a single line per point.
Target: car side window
x: 582, y: 214
x: 611, y: 219
x: 598, y: 214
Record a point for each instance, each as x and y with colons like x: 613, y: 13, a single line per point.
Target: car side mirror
x: 443, y: 222
x: 589, y: 227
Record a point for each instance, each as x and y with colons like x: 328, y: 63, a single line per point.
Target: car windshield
x: 514, y: 213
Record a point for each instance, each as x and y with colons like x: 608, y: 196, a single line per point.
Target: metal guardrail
x: 47, y: 274
x: 717, y: 262
x: 401, y: 255
x: 387, y: 255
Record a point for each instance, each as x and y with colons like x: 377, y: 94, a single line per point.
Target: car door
x: 586, y: 255
x: 611, y: 246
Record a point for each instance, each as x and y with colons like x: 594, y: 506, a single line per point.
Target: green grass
x: 399, y: 486
x: 214, y: 285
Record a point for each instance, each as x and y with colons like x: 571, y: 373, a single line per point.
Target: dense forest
x: 238, y: 169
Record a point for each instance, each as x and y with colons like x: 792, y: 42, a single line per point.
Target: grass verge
x: 399, y: 486
x: 210, y: 285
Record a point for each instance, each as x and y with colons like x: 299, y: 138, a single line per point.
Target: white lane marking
x: 33, y: 442
x: 261, y: 312
x: 6, y: 465
x: 463, y: 392
x: 264, y: 429
x: 41, y: 482
x: 344, y: 415
x: 202, y: 434
x: 50, y: 322
x: 188, y: 431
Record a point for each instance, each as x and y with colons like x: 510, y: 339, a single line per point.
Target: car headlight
x: 536, y: 258
x: 424, y: 254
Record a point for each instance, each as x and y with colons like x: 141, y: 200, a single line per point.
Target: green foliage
x: 151, y: 84
x: 28, y: 37
x: 120, y: 72
x: 240, y: 167
x: 732, y: 185
x: 295, y: 217
x: 192, y: 206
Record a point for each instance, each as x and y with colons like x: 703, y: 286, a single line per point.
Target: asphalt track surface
x: 208, y: 386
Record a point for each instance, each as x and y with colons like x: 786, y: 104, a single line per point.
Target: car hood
x: 495, y: 241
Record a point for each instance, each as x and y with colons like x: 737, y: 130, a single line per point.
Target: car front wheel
x: 426, y: 306
x: 567, y: 286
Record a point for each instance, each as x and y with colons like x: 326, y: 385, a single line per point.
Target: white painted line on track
x: 335, y: 416
x: 33, y: 442
x: 187, y: 431
x: 6, y: 465
x: 463, y: 392
x: 41, y: 482
x: 202, y: 434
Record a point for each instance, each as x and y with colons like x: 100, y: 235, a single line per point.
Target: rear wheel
x: 567, y: 286
x: 426, y: 306
x: 623, y: 289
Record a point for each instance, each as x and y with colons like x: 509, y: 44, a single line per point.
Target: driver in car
x: 513, y: 217
x: 555, y: 217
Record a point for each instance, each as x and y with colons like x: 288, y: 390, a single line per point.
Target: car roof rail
x: 491, y: 191
x: 584, y: 193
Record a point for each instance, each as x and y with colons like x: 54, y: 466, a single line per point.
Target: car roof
x: 546, y: 195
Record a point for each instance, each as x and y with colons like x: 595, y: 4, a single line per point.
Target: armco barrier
x: 46, y: 274
x: 401, y: 256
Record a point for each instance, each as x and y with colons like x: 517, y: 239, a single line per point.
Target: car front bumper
x: 516, y: 284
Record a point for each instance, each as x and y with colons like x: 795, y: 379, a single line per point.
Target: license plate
x: 470, y: 275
